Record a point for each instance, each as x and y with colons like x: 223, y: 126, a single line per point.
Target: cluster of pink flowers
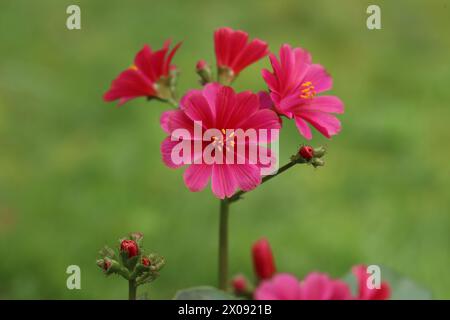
x: 294, y: 85
x: 315, y: 286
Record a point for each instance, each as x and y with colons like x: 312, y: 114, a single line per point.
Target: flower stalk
x: 315, y: 160
x: 223, y: 244
x: 132, y: 288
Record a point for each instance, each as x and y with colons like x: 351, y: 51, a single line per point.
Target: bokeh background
x: 77, y: 173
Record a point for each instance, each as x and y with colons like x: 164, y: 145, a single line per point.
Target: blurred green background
x: 77, y: 173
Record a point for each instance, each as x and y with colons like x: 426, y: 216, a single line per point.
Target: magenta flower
x: 319, y: 286
x: 234, y: 52
x: 282, y: 286
x: 366, y: 293
x: 221, y: 111
x: 316, y: 286
x: 294, y: 85
x: 149, y: 76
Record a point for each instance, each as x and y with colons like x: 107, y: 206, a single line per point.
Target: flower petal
x: 223, y: 182
x: 303, y: 128
x: 225, y: 105
x: 164, y: 120
x: 128, y: 85
x: 282, y: 286
x: 265, y: 291
x: 179, y: 120
x: 166, y: 151
x: 247, y: 176
x: 246, y: 104
x: 319, y: 77
x: 143, y: 62
x: 253, y: 51
x: 196, y: 176
x: 325, y: 123
x: 265, y: 101
x: 167, y: 62
x: 263, y: 119
x: 197, y: 108
x: 331, y: 104
x: 234, y: 51
x: 365, y: 293
x: 319, y: 286
x: 270, y: 79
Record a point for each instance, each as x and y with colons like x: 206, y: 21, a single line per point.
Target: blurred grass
x: 76, y: 173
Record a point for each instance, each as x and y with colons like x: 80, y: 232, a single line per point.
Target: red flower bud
x: 146, y: 261
x: 263, y: 262
x: 106, y: 264
x: 201, y: 64
x: 204, y: 71
x: 130, y: 247
x: 306, y: 152
x: 239, y: 284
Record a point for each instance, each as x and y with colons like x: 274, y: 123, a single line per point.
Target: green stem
x: 238, y: 195
x: 223, y: 244
x: 132, y: 289
x: 173, y: 102
x: 223, y: 226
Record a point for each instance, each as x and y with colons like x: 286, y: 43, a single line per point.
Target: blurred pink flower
x: 143, y: 77
x: 319, y: 286
x: 282, y: 286
x: 366, y: 293
x: 316, y: 286
x: 234, y: 51
x: 221, y: 109
x: 294, y: 85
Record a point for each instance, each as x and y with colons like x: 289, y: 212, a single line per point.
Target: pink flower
x: 263, y: 262
x: 282, y: 286
x: 220, y: 109
x: 149, y: 76
x: 319, y: 286
x: 294, y: 85
x: 234, y: 52
x: 316, y: 286
x: 366, y: 293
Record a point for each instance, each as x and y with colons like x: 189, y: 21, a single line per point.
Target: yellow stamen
x: 308, y: 92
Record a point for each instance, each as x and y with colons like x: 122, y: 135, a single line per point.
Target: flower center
x: 222, y: 140
x: 307, y: 90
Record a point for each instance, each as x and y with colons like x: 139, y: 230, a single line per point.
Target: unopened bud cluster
x: 308, y: 154
x: 130, y: 262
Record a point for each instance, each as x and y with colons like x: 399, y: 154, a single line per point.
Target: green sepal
x: 147, y: 278
x: 137, y: 237
x: 319, y: 152
x: 107, y: 252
